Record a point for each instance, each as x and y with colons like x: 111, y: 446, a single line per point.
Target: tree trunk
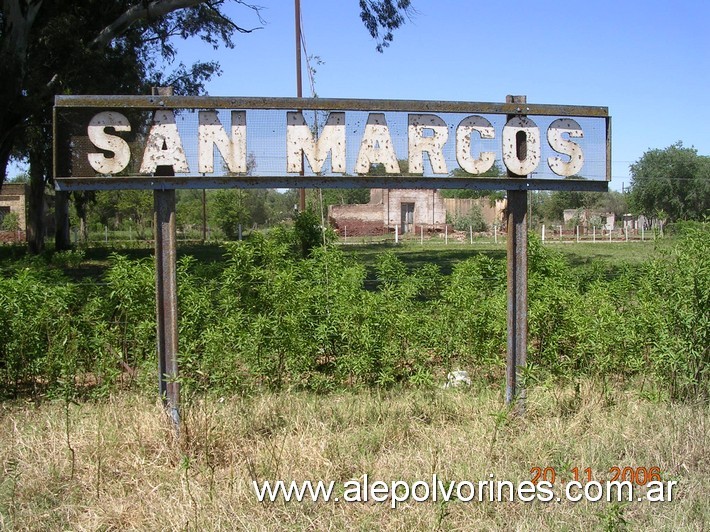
x: 62, y: 239
x: 36, y: 226
x: 83, y: 230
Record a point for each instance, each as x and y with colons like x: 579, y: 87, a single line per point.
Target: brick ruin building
x: 13, y: 201
x: 409, y: 211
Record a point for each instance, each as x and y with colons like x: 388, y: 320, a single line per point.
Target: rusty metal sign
x: 120, y: 142
x: 165, y: 142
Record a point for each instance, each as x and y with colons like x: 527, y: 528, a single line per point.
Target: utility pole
x: 299, y: 93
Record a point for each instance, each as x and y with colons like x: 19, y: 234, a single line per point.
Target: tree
x: 384, y: 15
x: 231, y: 207
x: 230, y: 211
x: 463, y: 193
x: 553, y: 205
x: 673, y: 183
x: 119, y: 209
x: 612, y: 201
x: 344, y: 196
x: 61, y: 47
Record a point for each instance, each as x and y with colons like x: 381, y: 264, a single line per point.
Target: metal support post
x: 166, y: 301
x: 517, y: 254
x: 204, y: 215
x: 166, y: 291
x: 517, y: 294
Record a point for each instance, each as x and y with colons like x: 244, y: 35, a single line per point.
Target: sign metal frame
x: 199, y: 181
x: 164, y: 183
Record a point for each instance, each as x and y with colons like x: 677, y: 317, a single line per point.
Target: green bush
x: 269, y: 318
x: 473, y: 220
x: 10, y: 222
x: 674, y: 317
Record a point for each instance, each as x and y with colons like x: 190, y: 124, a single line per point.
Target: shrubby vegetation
x: 473, y: 221
x: 278, y: 315
x: 672, y: 183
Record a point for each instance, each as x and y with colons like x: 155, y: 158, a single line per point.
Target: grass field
x: 114, y: 464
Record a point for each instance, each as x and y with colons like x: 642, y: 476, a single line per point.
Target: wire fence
x: 497, y: 235
x: 444, y: 235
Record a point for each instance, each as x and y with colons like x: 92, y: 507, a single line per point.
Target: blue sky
x: 648, y: 62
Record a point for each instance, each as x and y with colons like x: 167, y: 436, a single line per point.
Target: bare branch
x: 231, y: 23
x: 141, y: 11
x: 160, y: 8
x: 20, y: 17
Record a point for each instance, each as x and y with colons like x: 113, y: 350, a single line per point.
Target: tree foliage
x: 110, y: 47
x: 95, y: 47
x: 224, y: 209
x: 89, y: 47
x: 673, y: 182
x: 382, y: 17
x: 494, y: 171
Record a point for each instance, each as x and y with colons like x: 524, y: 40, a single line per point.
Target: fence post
x: 577, y: 230
x: 594, y: 233
x: 543, y: 233
x: 626, y: 232
x: 396, y: 234
x: 560, y: 233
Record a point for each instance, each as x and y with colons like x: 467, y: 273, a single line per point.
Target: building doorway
x: 407, y: 217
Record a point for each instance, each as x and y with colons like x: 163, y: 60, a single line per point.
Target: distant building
x: 491, y: 212
x: 587, y: 218
x: 406, y: 209
x: 13, y: 199
x: 636, y: 222
x: 409, y: 211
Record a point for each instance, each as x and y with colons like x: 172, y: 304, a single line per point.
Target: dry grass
x: 114, y: 465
